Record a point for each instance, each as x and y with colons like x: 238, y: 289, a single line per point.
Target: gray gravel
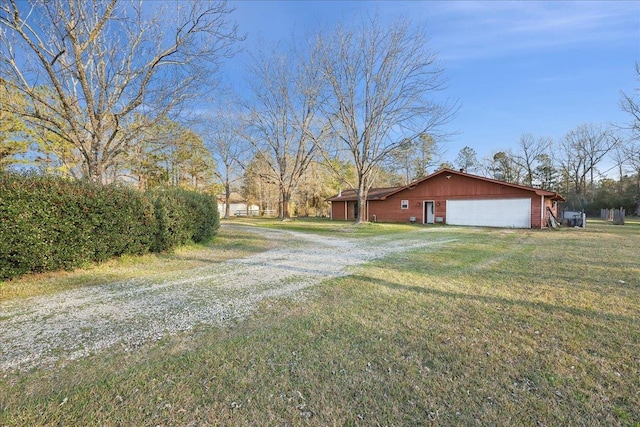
x: 41, y: 331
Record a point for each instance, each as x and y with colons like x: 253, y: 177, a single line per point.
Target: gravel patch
x: 41, y: 331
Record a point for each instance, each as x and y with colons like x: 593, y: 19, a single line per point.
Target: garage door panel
x: 512, y: 213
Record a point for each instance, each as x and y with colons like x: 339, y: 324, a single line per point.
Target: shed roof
x: 374, y: 194
x: 383, y: 193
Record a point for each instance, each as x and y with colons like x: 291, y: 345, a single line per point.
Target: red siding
x: 338, y: 211
x: 439, y: 189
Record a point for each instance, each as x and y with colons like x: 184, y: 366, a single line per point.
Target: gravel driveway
x: 42, y: 330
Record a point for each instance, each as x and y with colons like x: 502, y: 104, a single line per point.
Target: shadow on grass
x: 614, y: 276
x: 610, y: 282
x: 498, y: 300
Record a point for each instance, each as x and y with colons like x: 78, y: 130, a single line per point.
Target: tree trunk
x: 284, y: 211
x: 362, y: 206
x: 638, y: 192
x: 94, y: 171
x: 227, y: 196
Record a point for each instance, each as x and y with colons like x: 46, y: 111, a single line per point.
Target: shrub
x: 182, y: 216
x: 121, y: 221
x: 49, y: 223
x: 19, y: 242
x: 204, y: 218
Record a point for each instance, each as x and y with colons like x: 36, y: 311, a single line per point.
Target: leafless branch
x: 106, y: 60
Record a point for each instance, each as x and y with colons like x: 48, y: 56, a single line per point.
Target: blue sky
x: 516, y: 67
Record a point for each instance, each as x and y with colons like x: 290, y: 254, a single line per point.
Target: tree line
x: 112, y: 91
x: 593, y: 166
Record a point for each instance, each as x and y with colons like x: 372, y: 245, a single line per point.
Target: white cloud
x: 463, y: 30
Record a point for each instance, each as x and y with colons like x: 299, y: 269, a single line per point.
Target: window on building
x: 404, y: 204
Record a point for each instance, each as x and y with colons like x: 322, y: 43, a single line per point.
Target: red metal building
x: 453, y: 197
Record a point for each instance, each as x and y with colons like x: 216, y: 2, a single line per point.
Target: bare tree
x: 529, y: 155
x: 314, y: 189
x: 629, y: 153
x: 100, y: 62
x: 580, y: 152
x: 282, y: 123
x: 401, y: 160
x: 382, y: 86
x: 257, y: 187
x: 631, y: 157
x: 631, y: 105
x: 224, y: 140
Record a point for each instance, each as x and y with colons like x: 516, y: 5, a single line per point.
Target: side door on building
x: 429, y: 212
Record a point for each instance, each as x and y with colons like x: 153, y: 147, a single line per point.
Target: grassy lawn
x: 324, y: 226
x: 499, y: 327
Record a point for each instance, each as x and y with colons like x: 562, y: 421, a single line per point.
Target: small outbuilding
x: 456, y: 198
x: 238, y: 206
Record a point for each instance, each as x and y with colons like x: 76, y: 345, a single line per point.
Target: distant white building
x: 238, y: 206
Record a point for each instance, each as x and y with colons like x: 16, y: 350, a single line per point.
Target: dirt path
x: 42, y: 330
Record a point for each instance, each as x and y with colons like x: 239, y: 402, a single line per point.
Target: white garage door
x: 514, y: 213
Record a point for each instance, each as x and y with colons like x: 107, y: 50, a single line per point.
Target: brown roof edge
x: 376, y: 193
x: 538, y: 191
x: 558, y: 198
x: 383, y: 193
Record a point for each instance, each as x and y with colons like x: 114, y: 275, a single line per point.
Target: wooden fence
x: 255, y: 212
x: 614, y: 215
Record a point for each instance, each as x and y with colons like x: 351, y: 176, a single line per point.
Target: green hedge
x: 182, y: 216
x: 49, y: 223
